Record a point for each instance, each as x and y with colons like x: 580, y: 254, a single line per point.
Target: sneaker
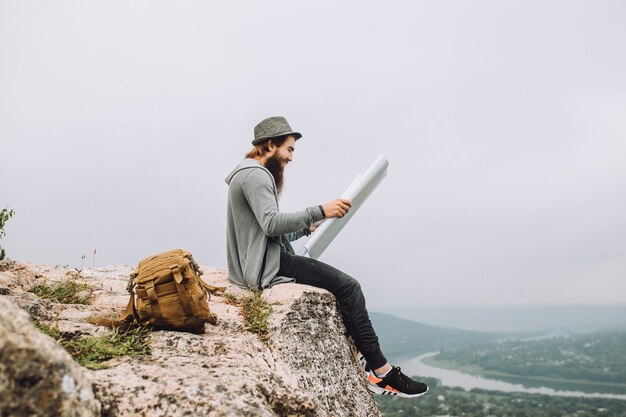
x: 396, y: 383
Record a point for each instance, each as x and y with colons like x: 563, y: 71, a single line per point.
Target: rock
x: 309, y: 341
x: 83, y: 295
x: 304, y: 368
x: 37, y: 376
x: 8, y: 280
x: 7, y: 264
x: 37, y: 308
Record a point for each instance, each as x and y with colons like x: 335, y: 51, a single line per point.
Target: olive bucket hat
x: 273, y: 127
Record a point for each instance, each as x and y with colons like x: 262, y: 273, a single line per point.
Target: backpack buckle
x: 178, y: 277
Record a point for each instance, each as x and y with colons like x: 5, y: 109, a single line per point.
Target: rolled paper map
x: 357, y: 192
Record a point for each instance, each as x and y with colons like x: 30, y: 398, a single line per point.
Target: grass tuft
x: 230, y: 298
x: 256, y: 312
x: 65, y: 292
x: 92, y: 352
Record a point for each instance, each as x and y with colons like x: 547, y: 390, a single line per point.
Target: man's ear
x: 271, y: 146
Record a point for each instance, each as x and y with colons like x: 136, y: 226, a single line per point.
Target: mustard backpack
x: 167, y: 293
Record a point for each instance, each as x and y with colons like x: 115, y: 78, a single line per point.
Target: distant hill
x: 541, y: 318
x: 403, y: 339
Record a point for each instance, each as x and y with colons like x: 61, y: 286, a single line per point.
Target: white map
x: 357, y: 192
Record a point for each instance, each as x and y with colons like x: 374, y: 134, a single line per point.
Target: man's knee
x: 349, y: 286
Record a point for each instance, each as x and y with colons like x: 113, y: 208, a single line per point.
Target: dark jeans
x: 350, y: 299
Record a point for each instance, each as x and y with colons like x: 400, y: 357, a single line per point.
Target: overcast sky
x: 504, y: 123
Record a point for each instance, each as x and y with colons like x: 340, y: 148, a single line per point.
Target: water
x: 453, y: 378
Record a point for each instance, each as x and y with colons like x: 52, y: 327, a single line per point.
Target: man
x: 260, y: 255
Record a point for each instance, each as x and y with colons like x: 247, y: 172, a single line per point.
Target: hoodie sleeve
x: 297, y: 235
x: 258, y: 188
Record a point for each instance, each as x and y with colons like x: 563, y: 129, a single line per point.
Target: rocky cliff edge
x: 304, y: 367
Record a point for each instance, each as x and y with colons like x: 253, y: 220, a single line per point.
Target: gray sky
x: 504, y: 123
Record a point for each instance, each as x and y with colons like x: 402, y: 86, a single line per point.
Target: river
x: 452, y: 378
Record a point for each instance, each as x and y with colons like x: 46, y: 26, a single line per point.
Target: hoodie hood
x: 248, y: 163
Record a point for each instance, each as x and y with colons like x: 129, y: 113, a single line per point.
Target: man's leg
x: 349, y: 297
x: 385, y: 380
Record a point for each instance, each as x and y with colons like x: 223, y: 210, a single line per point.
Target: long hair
x: 262, y: 148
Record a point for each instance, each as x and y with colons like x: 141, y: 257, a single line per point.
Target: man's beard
x: 275, y: 167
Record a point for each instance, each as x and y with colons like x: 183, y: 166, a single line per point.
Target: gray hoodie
x: 256, y: 229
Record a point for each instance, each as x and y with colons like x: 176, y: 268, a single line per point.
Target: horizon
x: 509, y: 305
x: 517, y: 319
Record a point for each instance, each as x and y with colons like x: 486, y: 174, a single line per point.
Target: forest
x: 444, y: 401
x: 597, y: 357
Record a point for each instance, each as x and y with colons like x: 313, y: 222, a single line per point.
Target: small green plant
x: 51, y: 331
x: 75, y: 274
x: 231, y: 298
x: 5, y: 215
x: 66, y: 292
x: 256, y: 312
x: 92, y: 352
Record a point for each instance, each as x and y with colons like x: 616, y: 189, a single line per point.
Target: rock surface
x: 37, y: 376
x: 304, y: 368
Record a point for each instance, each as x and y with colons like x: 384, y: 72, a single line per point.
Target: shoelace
x: 403, y: 379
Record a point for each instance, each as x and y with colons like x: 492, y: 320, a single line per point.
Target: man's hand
x: 337, y: 208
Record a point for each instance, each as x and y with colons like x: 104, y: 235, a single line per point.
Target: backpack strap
x: 184, y: 297
x: 130, y: 313
x: 211, y: 289
x: 124, y: 321
x: 154, y: 300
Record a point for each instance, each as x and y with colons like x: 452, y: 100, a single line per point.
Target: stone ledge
x: 304, y: 369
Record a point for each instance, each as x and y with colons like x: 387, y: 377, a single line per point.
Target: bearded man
x: 260, y: 255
